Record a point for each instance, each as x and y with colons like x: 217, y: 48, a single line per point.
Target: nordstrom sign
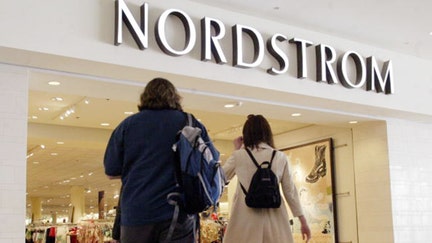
x: 350, y: 69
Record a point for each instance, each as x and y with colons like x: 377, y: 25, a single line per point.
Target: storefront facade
x: 387, y: 160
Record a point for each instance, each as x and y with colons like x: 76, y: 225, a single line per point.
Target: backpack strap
x: 189, y: 119
x: 243, y: 189
x: 271, y: 160
x: 252, y: 157
x: 254, y: 160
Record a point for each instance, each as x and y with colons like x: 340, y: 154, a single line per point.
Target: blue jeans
x: 157, y: 233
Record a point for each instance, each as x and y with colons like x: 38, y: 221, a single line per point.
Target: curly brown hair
x: 257, y: 130
x: 160, y: 94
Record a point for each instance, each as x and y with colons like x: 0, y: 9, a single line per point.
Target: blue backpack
x: 200, y: 177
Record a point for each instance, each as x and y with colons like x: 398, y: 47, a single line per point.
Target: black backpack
x: 264, y: 187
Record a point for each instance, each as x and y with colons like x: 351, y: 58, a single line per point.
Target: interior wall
x: 410, y: 155
x: 224, y: 145
x: 13, y: 143
x: 372, y: 180
x: 343, y: 173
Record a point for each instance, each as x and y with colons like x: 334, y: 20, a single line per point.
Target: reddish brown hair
x: 257, y: 130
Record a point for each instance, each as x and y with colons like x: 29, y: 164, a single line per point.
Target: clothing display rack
x: 86, y: 231
x: 212, y: 228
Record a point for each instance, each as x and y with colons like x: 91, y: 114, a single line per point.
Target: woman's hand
x: 238, y: 143
x: 306, y: 233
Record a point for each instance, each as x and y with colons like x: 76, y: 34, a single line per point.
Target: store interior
x: 71, y: 117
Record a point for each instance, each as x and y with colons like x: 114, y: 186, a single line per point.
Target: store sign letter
x: 301, y: 56
x: 381, y: 82
x: 278, y: 54
x: 210, y: 43
x: 140, y: 34
x: 258, y: 45
x: 189, y: 30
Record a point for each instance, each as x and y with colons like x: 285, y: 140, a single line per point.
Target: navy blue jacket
x: 140, y: 151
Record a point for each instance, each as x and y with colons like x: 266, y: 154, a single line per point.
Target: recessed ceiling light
x: 128, y: 112
x: 43, y: 108
x: 353, y: 122
x: 54, y: 154
x: 233, y: 104
x: 34, y: 117
x: 105, y: 124
x: 296, y: 114
x: 59, y: 142
x: 57, y: 99
x: 54, y: 83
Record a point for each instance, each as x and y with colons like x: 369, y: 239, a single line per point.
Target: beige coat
x: 250, y: 225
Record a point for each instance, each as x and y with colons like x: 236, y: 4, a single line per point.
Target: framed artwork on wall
x: 312, y: 168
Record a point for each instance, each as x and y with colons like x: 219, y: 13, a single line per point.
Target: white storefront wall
x: 388, y: 163
x: 13, y: 147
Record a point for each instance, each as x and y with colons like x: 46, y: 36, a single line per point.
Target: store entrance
x: 71, y: 117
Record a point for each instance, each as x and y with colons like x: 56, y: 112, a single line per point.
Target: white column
x: 36, y: 209
x: 101, y: 204
x: 54, y: 217
x: 410, y: 155
x: 13, y: 145
x: 78, y: 203
x: 373, y: 186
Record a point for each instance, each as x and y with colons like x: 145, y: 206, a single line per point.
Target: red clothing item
x: 73, y: 239
x: 52, y: 232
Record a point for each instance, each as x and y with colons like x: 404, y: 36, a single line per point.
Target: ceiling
x: 73, y: 147
x: 397, y: 25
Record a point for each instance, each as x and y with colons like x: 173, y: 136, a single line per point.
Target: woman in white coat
x: 261, y: 225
